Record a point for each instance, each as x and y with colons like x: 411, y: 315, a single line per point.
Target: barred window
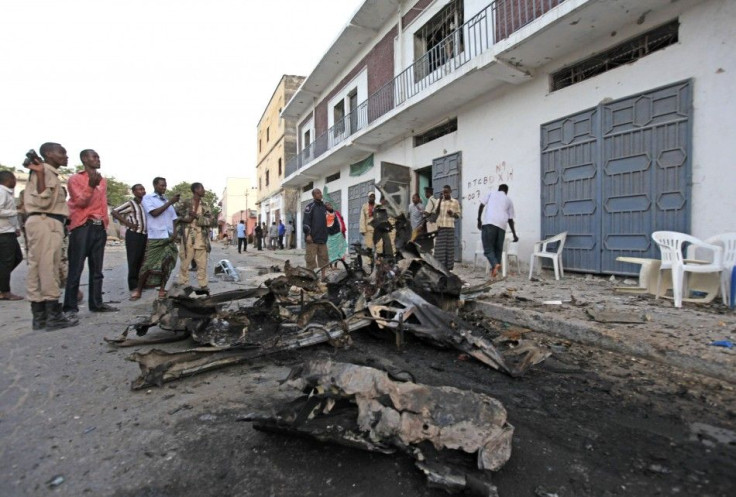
x: 443, y: 129
x: 622, y: 54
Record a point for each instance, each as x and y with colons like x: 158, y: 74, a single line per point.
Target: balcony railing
x: 496, y: 22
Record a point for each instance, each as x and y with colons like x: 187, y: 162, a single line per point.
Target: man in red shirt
x: 88, y: 233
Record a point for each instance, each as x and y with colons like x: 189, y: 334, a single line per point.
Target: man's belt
x: 93, y: 222
x: 58, y: 217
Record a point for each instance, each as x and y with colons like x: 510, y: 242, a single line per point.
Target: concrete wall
x: 499, y: 133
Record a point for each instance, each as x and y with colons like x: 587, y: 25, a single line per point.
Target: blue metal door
x: 614, y: 174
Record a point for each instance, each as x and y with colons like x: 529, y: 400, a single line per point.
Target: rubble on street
x: 363, y: 407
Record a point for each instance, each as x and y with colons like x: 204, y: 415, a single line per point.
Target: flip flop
x: 11, y: 296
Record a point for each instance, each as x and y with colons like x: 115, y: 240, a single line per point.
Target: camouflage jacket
x: 186, y: 229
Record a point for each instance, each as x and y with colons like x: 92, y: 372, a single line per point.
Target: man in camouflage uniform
x: 195, y: 219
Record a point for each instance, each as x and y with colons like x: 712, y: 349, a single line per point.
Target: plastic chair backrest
x: 728, y: 242
x: 559, y: 239
x: 510, y: 247
x: 670, y: 245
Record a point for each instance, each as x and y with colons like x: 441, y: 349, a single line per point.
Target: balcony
x: 486, y: 52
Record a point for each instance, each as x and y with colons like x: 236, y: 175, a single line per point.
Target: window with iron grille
x: 332, y: 177
x: 435, y: 43
x: 309, y: 186
x: 624, y: 53
x: 443, y: 129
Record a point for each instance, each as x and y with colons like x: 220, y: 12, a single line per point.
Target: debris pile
x: 440, y: 427
x: 363, y: 407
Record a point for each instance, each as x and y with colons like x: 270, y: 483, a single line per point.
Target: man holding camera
x: 45, y: 205
x: 87, y: 233
x: 160, y: 257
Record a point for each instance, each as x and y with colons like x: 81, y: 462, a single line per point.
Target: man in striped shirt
x: 131, y: 215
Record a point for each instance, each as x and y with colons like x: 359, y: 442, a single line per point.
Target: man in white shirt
x: 161, y: 252
x: 10, y: 253
x: 495, y: 212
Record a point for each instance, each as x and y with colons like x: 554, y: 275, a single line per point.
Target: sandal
x: 10, y: 296
x: 135, y: 295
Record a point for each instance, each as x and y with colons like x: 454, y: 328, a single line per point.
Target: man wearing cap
x: 366, y: 218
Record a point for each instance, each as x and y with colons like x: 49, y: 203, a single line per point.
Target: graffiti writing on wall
x: 497, y: 175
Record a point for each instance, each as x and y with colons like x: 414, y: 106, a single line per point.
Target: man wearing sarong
x: 194, y: 220
x: 160, y: 257
x: 448, y: 211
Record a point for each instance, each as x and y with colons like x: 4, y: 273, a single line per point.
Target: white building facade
x: 608, y: 120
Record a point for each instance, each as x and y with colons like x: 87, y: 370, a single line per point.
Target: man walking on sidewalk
x: 88, y: 233
x: 44, y: 201
x: 10, y: 253
x: 495, y: 211
x: 242, y: 240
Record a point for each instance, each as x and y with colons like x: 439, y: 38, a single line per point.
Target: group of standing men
x: 278, y: 236
x: 153, y: 229
x: 437, y: 215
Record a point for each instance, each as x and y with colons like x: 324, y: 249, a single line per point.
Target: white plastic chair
x: 670, y: 245
x: 727, y: 241
x: 540, y: 251
x: 479, y: 253
x: 510, y: 251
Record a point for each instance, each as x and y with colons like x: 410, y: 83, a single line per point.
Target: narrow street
x: 588, y: 422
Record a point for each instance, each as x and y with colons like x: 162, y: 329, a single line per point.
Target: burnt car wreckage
x: 351, y: 404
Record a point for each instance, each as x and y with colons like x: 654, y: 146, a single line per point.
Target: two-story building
x: 607, y: 119
x: 276, y: 145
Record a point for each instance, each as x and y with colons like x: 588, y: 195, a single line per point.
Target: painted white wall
x: 499, y: 134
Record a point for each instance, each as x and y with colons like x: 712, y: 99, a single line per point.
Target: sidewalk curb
x: 607, y: 339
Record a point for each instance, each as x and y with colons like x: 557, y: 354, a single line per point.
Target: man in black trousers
x: 132, y: 216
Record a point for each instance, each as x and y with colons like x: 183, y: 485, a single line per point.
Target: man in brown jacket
x: 44, y: 200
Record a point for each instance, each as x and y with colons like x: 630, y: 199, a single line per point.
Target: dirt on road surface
x: 588, y: 422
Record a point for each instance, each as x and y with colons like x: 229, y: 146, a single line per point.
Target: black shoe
x: 202, y: 291
x: 105, y: 308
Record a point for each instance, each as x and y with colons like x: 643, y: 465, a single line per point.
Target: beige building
x: 276, y: 145
x: 238, y: 202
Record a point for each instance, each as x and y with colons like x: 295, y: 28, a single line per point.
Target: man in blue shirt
x: 242, y: 240
x: 161, y: 251
x: 282, y: 232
